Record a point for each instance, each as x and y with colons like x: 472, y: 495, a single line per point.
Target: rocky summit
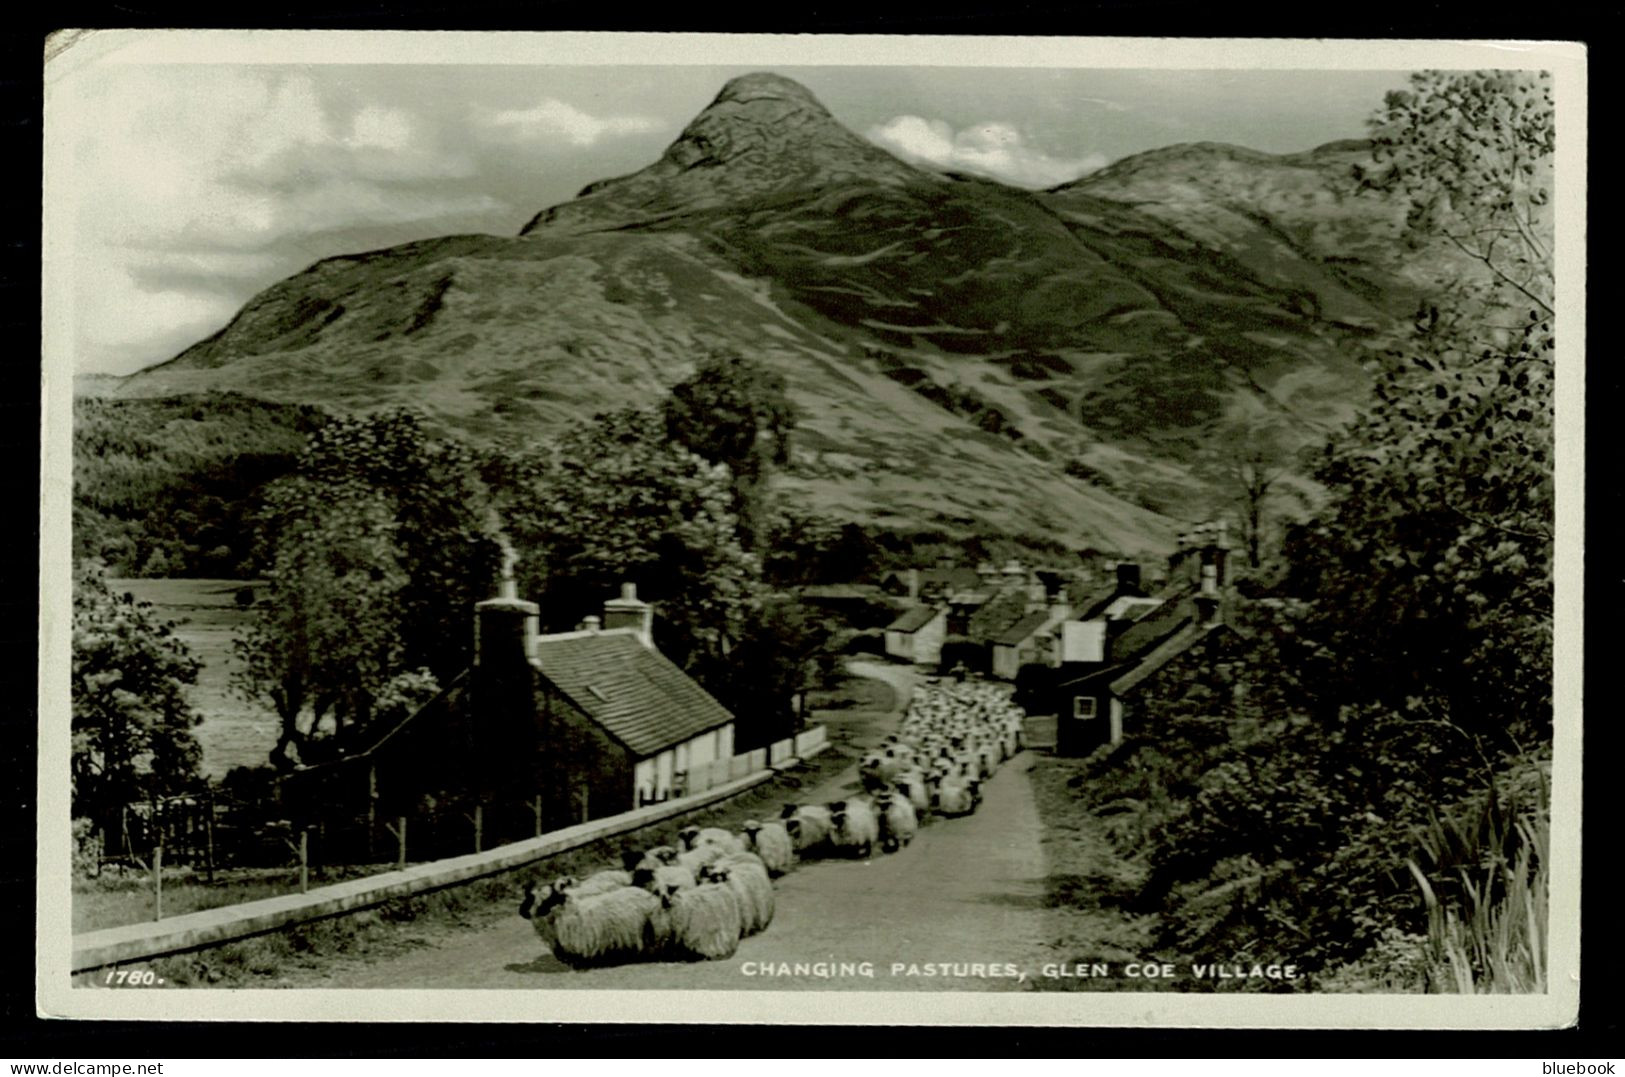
x: 965, y: 354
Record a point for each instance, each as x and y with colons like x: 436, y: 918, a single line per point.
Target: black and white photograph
x: 611, y: 527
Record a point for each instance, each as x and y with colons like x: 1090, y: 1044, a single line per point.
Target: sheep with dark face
x: 771, y: 842
x: 701, y: 855
x: 853, y: 827
x: 897, y: 821
x: 692, y: 837
x: 746, y: 876
x: 808, y: 826
x: 702, y: 922
x: 911, y: 783
x: 659, y: 869
x: 598, y: 929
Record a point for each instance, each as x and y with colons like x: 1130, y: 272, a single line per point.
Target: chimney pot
x: 628, y: 611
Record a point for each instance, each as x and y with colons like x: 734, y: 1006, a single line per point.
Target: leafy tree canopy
x: 132, y: 724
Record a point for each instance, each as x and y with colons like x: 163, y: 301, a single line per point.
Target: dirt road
x: 967, y: 894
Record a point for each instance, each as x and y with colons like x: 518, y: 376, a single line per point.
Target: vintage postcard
x: 644, y: 527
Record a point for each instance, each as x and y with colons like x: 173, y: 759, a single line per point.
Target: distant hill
x: 954, y: 344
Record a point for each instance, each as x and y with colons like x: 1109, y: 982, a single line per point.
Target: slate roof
x: 1094, y: 602
x: 637, y: 694
x: 913, y: 620
x: 1151, y: 629
x: 1023, y: 629
x: 1159, y: 656
x: 1004, y: 610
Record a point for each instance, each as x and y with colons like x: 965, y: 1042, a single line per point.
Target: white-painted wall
x: 1083, y: 641
x: 654, y: 778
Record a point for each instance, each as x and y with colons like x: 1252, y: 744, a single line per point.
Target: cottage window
x: 1083, y: 706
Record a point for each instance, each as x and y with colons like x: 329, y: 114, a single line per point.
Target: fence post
x: 536, y: 807
x: 208, y: 834
x: 479, y: 825
x: 401, y: 836
x: 372, y: 809
x: 304, y: 860
x: 158, y: 881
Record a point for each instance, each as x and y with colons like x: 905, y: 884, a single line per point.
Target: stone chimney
x: 1128, y: 576
x: 989, y: 573
x: 505, y: 627
x: 1213, y: 549
x: 628, y: 611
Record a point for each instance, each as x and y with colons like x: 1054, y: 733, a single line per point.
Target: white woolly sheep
x: 702, y: 922
x: 807, y: 824
x: 654, y: 874
x: 699, y: 856
x: 665, y: 854
x: 953, y: 797
x: 854, y: 826
x: 911, y: 783
x: 693, y: 837
x: 771, y: 842
x: 600, y: 882
x: 598, y: 929
x: 898, y: 823
x: 745, y: 875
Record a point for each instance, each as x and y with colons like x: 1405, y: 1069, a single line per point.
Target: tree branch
x: 1499, y: 272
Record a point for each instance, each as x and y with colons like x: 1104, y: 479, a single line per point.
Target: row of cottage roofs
x: 1096, y: 648
x: 592, y: 721
x: 631, y: 723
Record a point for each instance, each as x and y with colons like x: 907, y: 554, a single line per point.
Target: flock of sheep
x: 697, y: 901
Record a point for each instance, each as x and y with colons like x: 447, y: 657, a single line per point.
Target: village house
x: 556, y: 729
x: 1029, y: 641
x: 917, y: 636
x: 1108, y: 660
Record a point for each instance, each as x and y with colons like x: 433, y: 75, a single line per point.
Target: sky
x: 186, y: 188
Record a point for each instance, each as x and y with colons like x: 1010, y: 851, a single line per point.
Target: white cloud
x: 552, y: 119
x: 211, y: 180
x: 992, y: 148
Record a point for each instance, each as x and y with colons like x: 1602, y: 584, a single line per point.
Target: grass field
x: 128, y: 897
x: 234, y: 732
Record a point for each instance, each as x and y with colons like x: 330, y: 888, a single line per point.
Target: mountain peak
x: 762, y: 133
x: 761, y: 85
